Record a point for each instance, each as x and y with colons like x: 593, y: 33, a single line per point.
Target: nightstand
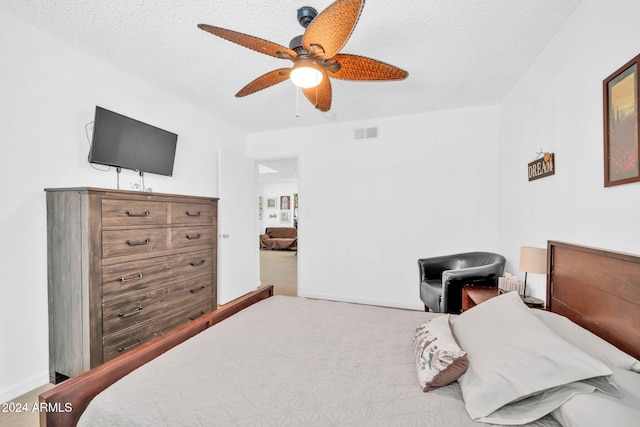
x: 474, y: 295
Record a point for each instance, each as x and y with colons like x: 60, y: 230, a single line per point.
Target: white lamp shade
x: 305, y: 74
x: 533, y: 260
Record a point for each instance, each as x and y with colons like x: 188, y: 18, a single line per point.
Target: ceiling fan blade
x: 320, y: 96
x: 266, y: 80
x: 331, y: 29
x: 251, y: 42
x: 354, y: 67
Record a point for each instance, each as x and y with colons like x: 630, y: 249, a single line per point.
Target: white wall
x: 557, y: 106
x: 370, y: 209
x: 49, y: 93
x: 274, y: 190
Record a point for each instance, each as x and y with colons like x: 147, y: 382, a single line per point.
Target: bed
x: 317, y: 362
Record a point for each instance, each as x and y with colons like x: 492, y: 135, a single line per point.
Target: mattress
x: 288, y: 361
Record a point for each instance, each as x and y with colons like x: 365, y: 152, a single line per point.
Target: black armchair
x: 442, y: 278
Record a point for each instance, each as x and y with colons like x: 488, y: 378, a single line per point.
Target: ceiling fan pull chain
x: 297, y: 101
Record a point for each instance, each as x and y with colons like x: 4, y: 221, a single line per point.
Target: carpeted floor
x: 280, y: 269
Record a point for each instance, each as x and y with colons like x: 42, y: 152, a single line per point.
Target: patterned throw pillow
x: 439, y: 359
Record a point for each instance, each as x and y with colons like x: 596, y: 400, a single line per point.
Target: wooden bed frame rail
x: 63, y: 405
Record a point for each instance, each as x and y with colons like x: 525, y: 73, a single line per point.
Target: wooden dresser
x: 123, y: 268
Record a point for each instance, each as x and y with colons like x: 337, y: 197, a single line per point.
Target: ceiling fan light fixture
x: 315, y: 54
x: 306, y: 73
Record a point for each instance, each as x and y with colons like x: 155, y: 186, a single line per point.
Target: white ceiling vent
x: 366, y: 133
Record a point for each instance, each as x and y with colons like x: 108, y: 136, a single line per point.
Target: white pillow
x: 588, y: 342
x: 513, y: 355
x: 439, y: 359
x: 598, y: 409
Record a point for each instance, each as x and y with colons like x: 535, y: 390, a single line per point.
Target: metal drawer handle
x: 198, y: 264
x: 136, y: 310
x: 193, y: 236
x: 199, y: 213
x: 139, y: 242
x: 145, y: 213
x: 193, y: 291
x: 135, y: 344
x: 128, y: 279
x: 196, y: 316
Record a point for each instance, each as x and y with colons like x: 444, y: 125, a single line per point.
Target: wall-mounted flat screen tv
x: 123, y: 142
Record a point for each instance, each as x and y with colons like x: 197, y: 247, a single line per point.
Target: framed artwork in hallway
x: 285, y: 203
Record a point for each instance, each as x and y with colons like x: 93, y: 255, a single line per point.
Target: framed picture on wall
x: 621, y: 137
x: 271, y: 203
x: 285, y: 203
x: 285, y: 217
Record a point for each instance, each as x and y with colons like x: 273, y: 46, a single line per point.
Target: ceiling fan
x: 315, y: 54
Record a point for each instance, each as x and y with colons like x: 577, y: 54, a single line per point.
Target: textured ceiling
x: 458, y: 53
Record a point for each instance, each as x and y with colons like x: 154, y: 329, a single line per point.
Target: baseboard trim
x: 18, y: 390
x: 368, y: 301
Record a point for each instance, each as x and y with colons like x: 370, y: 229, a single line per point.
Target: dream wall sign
x: 542, y: 167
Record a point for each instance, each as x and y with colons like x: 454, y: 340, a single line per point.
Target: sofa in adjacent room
x: 279, y: 238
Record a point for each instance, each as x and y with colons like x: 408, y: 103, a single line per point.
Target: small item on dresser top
x: 509, y: 283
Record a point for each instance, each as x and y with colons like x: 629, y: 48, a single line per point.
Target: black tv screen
x: 123, y: 142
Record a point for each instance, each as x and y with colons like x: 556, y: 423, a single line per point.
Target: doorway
x: 278, y: 208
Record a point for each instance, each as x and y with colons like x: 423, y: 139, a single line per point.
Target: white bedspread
x: 288, y: 361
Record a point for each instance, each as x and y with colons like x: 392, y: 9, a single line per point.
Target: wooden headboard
x: 597, y: 289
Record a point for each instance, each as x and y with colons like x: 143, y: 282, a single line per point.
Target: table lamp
x: 532, y: 260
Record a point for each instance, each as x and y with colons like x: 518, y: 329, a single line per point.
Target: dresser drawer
x: 125, y: 312
x: 191, y: 291
x: 193, y: 264
x: 120, y: 279
x: 188, y: 314
x: 133, y: 213
x: 119, y: 344
x: 129, y: 339
x: 130, y: 242
x: 184, y: 237
x: 193, y: 213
